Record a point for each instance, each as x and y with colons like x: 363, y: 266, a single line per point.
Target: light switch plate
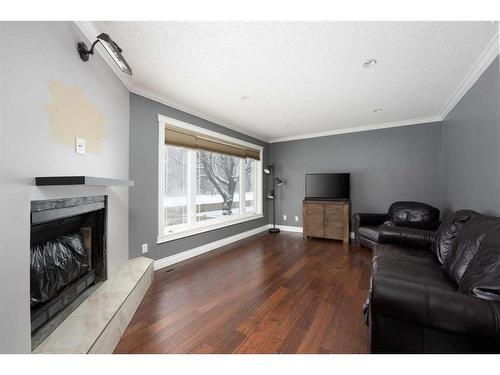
x: 296, y: 218
x: 284, y: 217
x: 144, y: 248
x: 80, y: 146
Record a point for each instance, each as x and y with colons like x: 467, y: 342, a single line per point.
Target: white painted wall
x: 31, y: 55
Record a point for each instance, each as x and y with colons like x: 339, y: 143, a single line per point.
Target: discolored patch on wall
x: 71, y: 115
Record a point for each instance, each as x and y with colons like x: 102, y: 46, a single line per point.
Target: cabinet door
x: 334, y: 221
x: 315, y: 216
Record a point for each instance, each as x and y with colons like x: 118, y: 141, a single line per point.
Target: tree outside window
x: 216, y: 186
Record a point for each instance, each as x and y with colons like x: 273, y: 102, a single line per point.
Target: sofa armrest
x: 402, y: 236
x: 435, y: 308
x: 360, y: 219
x: 369, y: 219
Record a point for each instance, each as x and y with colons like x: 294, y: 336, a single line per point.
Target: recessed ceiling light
x: 245, y: 97
x: 369, y: 63
x: 377, y: 110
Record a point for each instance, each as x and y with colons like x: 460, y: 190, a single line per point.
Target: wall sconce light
x: 110, y: 46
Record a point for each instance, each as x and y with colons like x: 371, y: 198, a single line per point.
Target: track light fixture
x: 110, y: 46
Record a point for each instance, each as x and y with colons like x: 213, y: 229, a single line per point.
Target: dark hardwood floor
x: 266, y: 294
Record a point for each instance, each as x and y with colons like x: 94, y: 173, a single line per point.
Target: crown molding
x: 148, y: 95
x: 482, y: 63
x: 357, y: 129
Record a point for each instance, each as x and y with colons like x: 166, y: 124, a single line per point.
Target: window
x: 176, y: 197
x: 207, y: 180
x: 250, y: 181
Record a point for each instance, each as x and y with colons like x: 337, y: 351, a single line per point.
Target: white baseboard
x: 288, y: 228
x: 176, y: 258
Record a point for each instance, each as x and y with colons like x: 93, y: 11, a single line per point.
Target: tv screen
x: 327, y: 185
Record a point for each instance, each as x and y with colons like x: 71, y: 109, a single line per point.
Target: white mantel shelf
x: 81, y: 180
x: 97, y: 325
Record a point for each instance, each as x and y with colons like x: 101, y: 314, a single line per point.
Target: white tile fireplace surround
x: 98, y: 323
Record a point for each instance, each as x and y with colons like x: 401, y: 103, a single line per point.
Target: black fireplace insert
x: 67, y: 255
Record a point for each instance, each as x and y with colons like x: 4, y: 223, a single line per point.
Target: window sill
x: 206, y: 228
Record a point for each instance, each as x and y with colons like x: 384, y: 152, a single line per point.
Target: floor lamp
x: 275, y: 182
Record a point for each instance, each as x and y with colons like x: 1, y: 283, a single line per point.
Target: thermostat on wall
x: 80, y: 146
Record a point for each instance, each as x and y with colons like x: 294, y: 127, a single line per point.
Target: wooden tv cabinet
x: 326, y: 219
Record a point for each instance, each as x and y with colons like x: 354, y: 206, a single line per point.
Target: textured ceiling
x: 301, y: 77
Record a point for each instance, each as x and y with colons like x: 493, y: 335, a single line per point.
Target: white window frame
x: 200, y: 227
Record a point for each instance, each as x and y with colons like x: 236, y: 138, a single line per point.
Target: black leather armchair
x: 401, y: 214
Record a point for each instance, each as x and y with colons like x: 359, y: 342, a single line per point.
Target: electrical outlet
x: 296, y: 218
x: 144, y: 248
x: 80, y: 146
x: 284, y: 217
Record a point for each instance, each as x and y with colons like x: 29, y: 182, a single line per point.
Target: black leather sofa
x: 400, y: 214
x: 437, y: 292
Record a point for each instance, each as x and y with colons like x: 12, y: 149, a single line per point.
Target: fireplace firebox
x: 67, y: 258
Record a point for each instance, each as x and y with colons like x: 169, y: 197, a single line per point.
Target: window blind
x: 184, y: 138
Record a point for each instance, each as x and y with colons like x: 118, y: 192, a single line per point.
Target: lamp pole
x: 273, y: 193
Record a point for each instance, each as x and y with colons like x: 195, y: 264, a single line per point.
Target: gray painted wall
x: 32, y: 55
x: 386, y: 165
x: 144, y: 170
x: 471, y: 148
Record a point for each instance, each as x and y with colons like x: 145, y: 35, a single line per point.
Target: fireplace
x: 67, y: 258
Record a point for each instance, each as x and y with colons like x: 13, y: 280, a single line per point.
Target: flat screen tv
x: 327, y: 186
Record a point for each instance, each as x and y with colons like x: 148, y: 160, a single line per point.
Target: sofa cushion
x: 412, y: 270
x: 407, y: 254
x: 369, y: 231
x: 414, y: 215
x: 447, y: 232
x: 466, y: 245
x: 482, y: 276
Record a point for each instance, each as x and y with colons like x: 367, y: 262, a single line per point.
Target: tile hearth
x: 98, y: 323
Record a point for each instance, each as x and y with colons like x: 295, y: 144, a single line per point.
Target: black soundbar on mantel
x: 81, y: 180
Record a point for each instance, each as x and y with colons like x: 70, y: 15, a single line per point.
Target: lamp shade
x: 278, y: 181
